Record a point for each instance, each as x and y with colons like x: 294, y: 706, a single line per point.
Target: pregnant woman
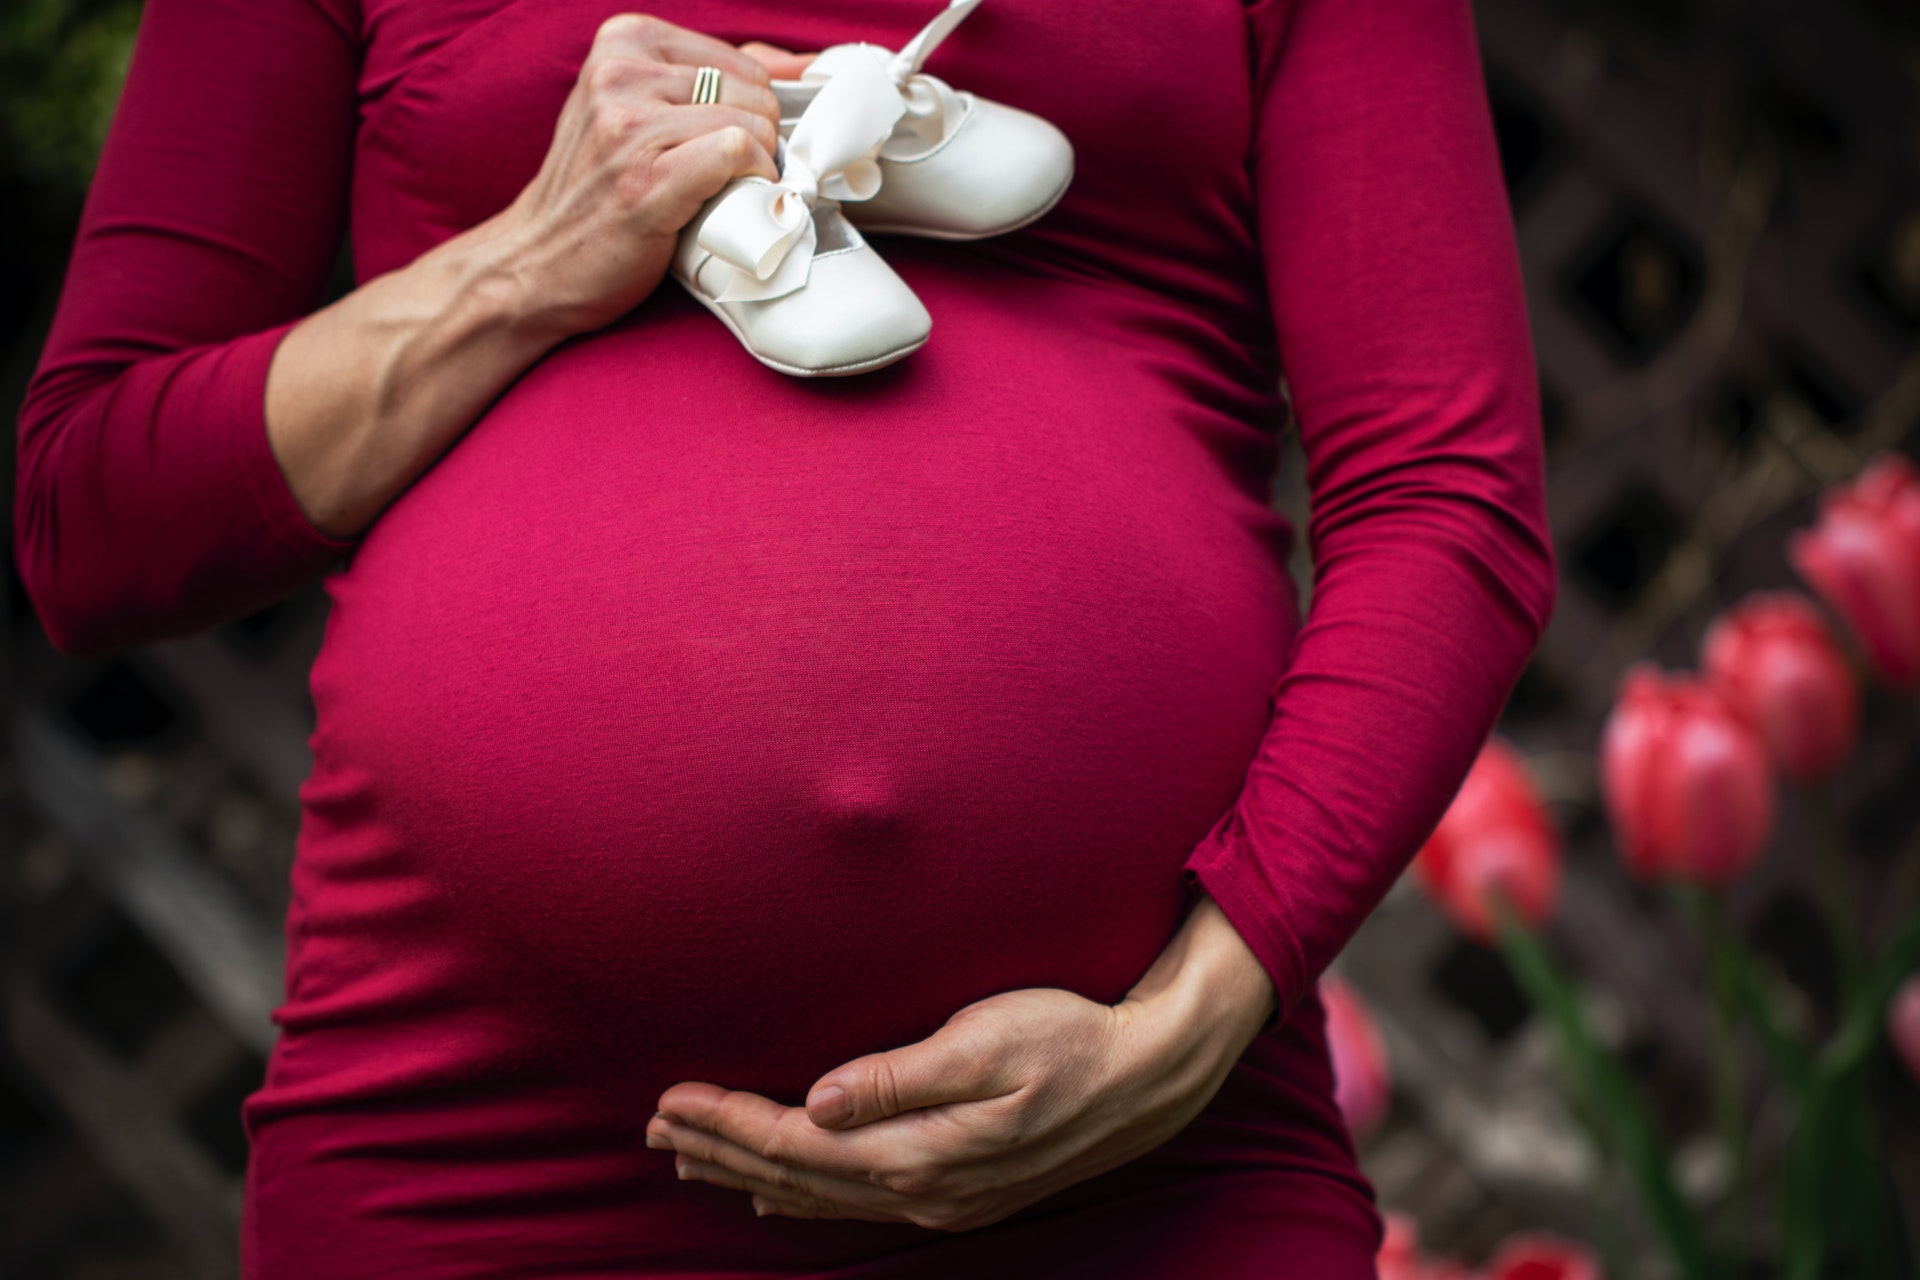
x: 875, y: 827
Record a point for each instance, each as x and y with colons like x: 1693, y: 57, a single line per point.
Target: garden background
x: 1718, y: 204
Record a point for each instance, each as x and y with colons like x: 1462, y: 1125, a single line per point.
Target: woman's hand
x: 365, y: 394
x: 631, y: 163
x: 1018, y: 1096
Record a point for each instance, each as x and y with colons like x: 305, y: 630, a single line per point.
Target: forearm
x: 1204, y: 998
x: 365, y: 394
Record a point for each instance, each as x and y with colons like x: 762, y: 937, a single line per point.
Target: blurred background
x: 1719, y: 211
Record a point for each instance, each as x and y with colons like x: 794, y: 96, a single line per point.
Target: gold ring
x: 706, y: 86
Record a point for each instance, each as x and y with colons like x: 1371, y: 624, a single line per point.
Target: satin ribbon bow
x: 933, y: 109
x: 764, y: 230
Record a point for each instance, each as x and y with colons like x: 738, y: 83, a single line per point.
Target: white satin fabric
x: 934, y: 108
x: 872, y: 103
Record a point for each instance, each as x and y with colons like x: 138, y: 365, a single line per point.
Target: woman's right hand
x: 367, y: 393
x: 631, y: 163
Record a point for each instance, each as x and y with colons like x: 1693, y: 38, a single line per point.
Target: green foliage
x: 1834, y: 1211
x: 61, y: 66
x: 1606, y: 1097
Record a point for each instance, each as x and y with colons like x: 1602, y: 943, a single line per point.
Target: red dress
x: 687, y: 721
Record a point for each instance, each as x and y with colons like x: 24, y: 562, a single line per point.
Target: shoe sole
x: 894, y: 229
x: 795, y: 371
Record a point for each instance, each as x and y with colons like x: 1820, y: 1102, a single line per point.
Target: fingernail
x: 830, y: 1106
x: 658, y: 1141
x: 759, y: 1207
x: 680, y: 1168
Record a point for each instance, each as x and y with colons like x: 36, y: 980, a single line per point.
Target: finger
x: 691, y: 173
x: 670, y: 128
x: 676, y: 85
x: 780, y: 63
x: 767, y: 1204
x: 790, y: 1204
x: 617, y: 81
x: 703, y: 1151
x: 962, y: 1062
x: 638, y: 35
x: 784, y: 1136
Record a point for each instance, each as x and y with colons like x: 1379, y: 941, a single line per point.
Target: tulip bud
x: 1776, y: 662
x: 1495, y: 837
x: 1686, y: 780
x: 1903, y: 1024
x: 1361, y: 1084
x: 1863, y: 557
x: 1399, y: 1256
x: 1539, y: 1255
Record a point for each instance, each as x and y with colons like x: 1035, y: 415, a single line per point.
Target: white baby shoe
x: 779, y: 264
x: 955, y: 166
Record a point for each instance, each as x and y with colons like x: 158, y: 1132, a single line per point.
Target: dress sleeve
x: 148, y: 503
x: 1395, y: 285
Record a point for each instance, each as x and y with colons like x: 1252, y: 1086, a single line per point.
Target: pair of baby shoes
x: 869, y: 142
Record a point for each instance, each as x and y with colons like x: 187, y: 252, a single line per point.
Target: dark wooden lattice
x: 1720, y: 224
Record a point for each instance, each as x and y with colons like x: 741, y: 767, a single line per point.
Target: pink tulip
x: 1361, y: 1084
x: 1686, y: 780
x: 1495, y: 837
x: 1776, y: 662
x: 1539, y: 1255
x: 1863, y: 557
x: 1903, y: 1024
x: 1400, y: 1257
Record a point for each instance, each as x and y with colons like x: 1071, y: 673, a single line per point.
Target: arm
x: 1398, y: 305
x: 189, y: 448
x: 1396, y: 292
x: 147, y: 500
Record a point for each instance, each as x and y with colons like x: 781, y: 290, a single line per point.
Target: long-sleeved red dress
x: 687, y: 721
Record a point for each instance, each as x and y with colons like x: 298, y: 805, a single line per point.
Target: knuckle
x: 627, y: 26
x: 775, y: 1146
x: 736, y: 144
x: 912, y: 1182
x: 605, y: 76
x: 633, y: 187
x: 613, y: 123
x: 885, y: 1084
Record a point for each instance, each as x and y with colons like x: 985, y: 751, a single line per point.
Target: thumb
x: 961, y: 1062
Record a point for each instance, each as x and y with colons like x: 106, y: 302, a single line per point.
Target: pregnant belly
x: 692, y: 722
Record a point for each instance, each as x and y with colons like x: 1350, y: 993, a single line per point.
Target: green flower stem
x: 1830, y: 1182
x: 1791, y: 1056
x: 1603, y: 1088
x: 1836, y: 889
x: 1728, y: 1102
x: 1865, y: 1015
x: 1611, y: 1198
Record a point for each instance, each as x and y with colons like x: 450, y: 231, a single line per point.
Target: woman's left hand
x: 1017, y: 1097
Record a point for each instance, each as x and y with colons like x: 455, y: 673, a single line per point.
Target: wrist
x: 1207, y: 988
x: 492, y: 280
